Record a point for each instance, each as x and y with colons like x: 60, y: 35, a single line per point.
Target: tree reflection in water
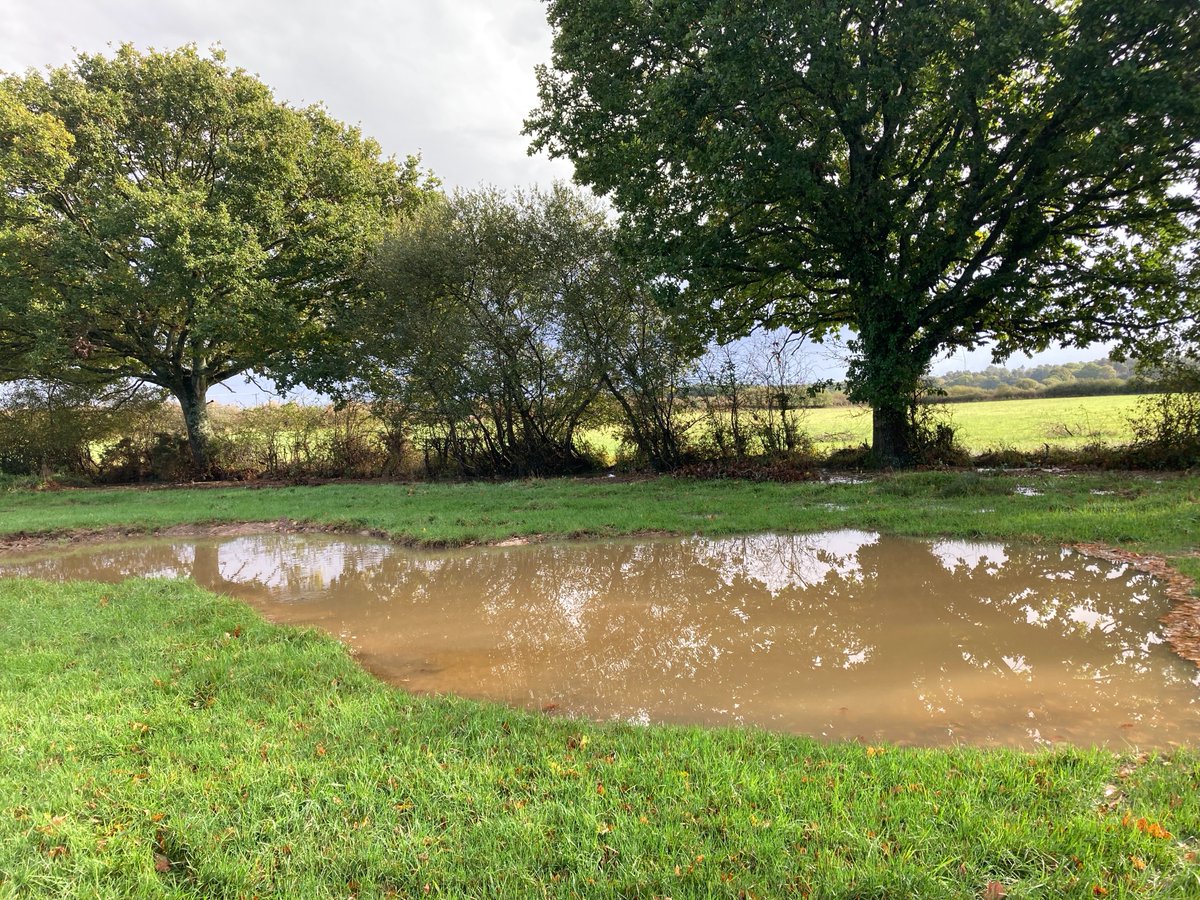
x: 841, y: 634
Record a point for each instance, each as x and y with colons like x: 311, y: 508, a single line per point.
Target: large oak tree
x: 164, y: 218
x: 932, y: 175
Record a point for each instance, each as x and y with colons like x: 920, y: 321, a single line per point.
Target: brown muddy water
x: 846, y: 634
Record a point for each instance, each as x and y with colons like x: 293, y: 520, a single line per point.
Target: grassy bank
x: 158, y: 740
x: 1158, y: 513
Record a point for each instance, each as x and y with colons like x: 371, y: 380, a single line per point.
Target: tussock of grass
x: 154, y: 718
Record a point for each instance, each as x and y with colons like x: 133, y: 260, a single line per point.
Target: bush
x: 933, y: 439
x: 291, y: 440
x: 152, y: 447
x: 1166, y: 428
x: 48, y: 428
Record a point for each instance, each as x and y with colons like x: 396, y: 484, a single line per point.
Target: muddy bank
x: 1182, y: 621
x: 25, y: 542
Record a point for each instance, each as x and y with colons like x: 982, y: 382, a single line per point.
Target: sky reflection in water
x: 844, y: 634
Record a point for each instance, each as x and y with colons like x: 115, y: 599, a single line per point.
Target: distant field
x: 1061, y: 422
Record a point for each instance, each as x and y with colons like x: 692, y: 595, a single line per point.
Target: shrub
x: 1166, y: 427
x: 48, y: 428
x: 152, y: 446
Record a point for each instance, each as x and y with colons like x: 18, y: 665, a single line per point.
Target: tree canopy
x: 932, y: 175
x: 164, y: 218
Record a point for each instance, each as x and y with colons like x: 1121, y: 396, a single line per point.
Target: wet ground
x: 846, y: 634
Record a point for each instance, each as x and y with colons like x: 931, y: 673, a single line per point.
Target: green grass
x: 1154, y: 512
x: 1060, y: 423
x: 1063, y: 423
x: 152, y: 717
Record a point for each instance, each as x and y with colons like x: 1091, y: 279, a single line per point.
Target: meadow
x: 1025, y: 425
x: 1062, y: 423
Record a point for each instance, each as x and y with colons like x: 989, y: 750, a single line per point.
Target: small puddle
x: 842, y: 635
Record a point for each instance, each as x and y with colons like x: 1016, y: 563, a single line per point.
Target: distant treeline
x: 1099, y: 377
x: 1068, y: 379
x: 1076, y: 379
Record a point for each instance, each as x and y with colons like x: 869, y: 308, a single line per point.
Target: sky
x: 451, y: 80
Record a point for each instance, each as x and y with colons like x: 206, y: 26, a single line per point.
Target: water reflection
x: 842, y: 634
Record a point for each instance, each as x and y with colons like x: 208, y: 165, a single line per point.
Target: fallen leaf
x: 161, y: 863
x: 994, y: 891
x: 1153, y: 829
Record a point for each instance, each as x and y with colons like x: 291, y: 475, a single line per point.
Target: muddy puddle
x: 846, y: 634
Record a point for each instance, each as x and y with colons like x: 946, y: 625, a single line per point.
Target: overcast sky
x: 449, y: 79
x: 452, y: 79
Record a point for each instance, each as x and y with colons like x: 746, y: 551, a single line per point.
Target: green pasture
x: 1059, y: 423
x: 1063, y: 423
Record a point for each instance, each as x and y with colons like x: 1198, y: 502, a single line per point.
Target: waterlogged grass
x: 1159, y: 513
x: 156, y: 740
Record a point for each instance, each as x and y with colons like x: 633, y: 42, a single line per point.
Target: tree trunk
x: 192, y: 397
x: 891, y: 435
x: 888, y: 378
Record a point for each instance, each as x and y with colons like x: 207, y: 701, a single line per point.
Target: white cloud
x: 453, y: 80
